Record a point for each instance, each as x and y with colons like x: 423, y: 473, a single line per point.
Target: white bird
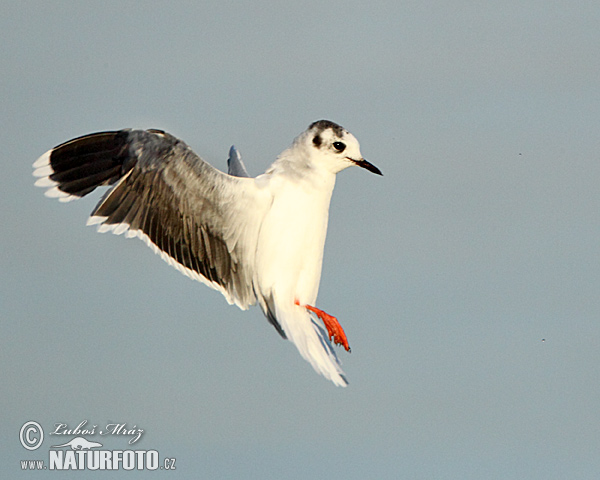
x: 256, y: 240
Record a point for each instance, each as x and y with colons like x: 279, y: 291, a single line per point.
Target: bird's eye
x: 339, y: 146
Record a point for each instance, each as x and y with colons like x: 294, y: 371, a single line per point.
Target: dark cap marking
x: 321, y: 125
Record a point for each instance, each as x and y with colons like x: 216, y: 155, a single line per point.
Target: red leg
x: 334, y: 329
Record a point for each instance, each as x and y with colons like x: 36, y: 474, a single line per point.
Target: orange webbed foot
x: 334, y: 329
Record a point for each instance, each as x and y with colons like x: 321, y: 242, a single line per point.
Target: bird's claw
x: 334, y: 329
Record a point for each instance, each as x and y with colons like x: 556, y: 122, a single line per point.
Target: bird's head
x: 333, y: 147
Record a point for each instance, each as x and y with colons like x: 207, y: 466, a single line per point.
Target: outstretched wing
x: 201, y: 221
x: 235, y: 165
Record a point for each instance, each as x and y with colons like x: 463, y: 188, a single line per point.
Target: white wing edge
x: 120, y: 228
x: 43, y: 170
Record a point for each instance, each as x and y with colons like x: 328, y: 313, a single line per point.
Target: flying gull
x: 256, y: 240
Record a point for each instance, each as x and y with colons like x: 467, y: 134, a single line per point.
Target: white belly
x: 291, y: 241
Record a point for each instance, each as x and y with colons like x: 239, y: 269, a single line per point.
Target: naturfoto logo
x: 76, y: 452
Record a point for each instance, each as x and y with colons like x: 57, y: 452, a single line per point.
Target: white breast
x: 292, y: 238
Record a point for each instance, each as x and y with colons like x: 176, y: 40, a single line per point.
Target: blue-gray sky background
x: 481, y: 240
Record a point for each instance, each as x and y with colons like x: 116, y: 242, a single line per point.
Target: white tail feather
x: 311, y: 341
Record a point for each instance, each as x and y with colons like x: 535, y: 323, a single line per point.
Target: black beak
x: 369, y: 166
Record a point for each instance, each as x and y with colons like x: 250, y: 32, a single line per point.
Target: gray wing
x: 235, y: 165
x: 201, y: 221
